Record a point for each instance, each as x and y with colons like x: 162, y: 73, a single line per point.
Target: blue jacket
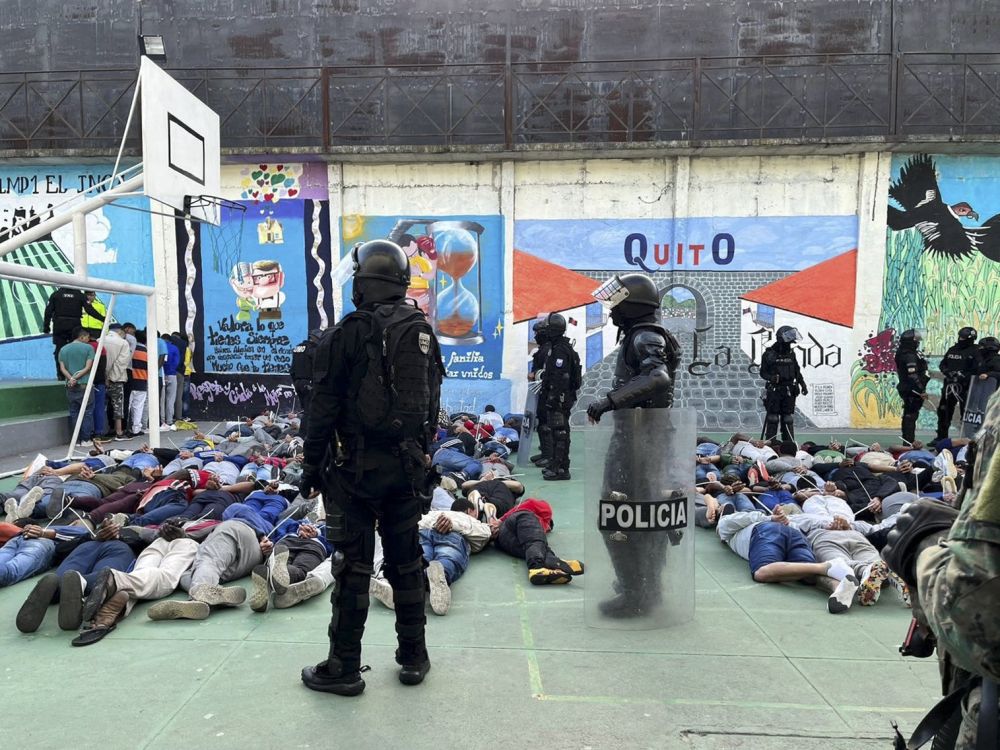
x: 290, y: 527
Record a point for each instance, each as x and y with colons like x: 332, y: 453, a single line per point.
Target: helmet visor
x: 611, y: 293
x: 790, y: 335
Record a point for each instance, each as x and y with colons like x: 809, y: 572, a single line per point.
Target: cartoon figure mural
x: 941, y: 273
x: 258, y: 288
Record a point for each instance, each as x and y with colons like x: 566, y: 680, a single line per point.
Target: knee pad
x: 771, y: 418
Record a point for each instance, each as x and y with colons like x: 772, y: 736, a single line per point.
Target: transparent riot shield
x: 639, y: 519
x: 524, y: 446
x: 975, y: 405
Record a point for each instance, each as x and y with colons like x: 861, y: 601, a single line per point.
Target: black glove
x: 596, y: 409
x: 913, y: 525
x: 311, y: 480
x: 805, y: 391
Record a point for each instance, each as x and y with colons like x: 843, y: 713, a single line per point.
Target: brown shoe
x: 105, y: 620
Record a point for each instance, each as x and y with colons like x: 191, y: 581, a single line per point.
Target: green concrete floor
x: 761, y: 666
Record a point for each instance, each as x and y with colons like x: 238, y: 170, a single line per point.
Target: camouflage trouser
x: 116, y: 395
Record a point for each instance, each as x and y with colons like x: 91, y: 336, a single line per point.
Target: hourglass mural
x: 456, y: 278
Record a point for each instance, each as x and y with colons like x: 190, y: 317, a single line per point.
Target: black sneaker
x: 413, y: 674
x: 32, y: 612
x: 346, y: 683
x: 555, y: 476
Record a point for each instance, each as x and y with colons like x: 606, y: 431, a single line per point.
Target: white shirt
x: 491, y: 418
x: 475, y: 532
x: 828, y: 506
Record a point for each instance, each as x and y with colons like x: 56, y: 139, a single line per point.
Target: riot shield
x: 975, y: 405
x: 639, y: 518
x: 524, y: 446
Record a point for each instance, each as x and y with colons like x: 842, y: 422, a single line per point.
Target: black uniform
x: 911, y: 369
x: 560, y: 382
x: 542, y: 426
x: 958, y: 366
x: 375, y: 406
x: 783, y: 381
x: 302, y: 376
x: 989, y: 364
x: 644, y: 378
x: 62, y: 315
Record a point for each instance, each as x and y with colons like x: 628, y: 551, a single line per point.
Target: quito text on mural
x: 248, y: 346
x: 722, y: 250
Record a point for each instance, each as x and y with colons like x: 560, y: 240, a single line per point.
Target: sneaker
x: 32, y: 612
x: 179, y: 610
x: 300, y: 592
x: 575, y: 567
x: 843, y: 596
x: 85, y: 443
x: 213, y: 595
x: 348, y: 683
x: 871, y: 583
x: 279, y: 570
x: 27, y: 505
x: 164, y: 427
x: 382, y: 591
x: 260, y: 591
x: 440, y: 593
x: 556, y: 476
x: 120, y: 438
x: 543, y: 576
x: 10, y: 508
x: 118, y: 519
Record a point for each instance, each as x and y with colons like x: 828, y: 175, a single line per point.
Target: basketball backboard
x: 180, y: 144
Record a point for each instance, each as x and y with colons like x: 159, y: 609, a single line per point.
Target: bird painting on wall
x: 939, y: 223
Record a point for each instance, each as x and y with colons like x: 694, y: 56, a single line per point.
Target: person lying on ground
x: 259, y: 510
x: 779, y: 553
x: 156, y: 574
x: 30, y: 549
x: 230, y: 552
x: 68, y: 584
x: 521, y: 533
x: 291, y: 553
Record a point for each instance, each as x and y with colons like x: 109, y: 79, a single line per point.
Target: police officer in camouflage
x: 302, y: 375
x: 541, y: 354
x: 911, y: 369
x: 644, y: 378
x: 951, y: 560
x: 958, y: 365
x: 375, y: 403
x: 560, y: 383
x: 783, y: 381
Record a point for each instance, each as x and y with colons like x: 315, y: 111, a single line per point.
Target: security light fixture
x: 151, y: 46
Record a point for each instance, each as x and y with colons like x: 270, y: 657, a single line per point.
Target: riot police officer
x: 958, y: 366
x: 988, y: 365
x: 644, y: 378
x: 541, y: 459
x: 302, y: 375
x: 560, y: 382
x: 783, y: 382
x: 375, y: 403
x: 911, y: 369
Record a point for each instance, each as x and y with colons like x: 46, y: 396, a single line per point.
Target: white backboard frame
x: 180, y: 144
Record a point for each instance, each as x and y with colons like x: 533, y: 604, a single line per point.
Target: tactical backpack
x: 403, y: 379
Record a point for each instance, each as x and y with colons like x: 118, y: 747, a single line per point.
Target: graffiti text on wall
x: 811, y: 352
x: 248, y: 346
x: 665, y: 255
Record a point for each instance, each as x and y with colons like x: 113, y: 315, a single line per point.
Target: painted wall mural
x: 727, y: 284
x: 119, y: 248
x: 457, y: 279
x: 941, y: 272
x: 254, y: 287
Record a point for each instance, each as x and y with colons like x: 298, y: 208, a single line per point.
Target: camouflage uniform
x: 959, y: 581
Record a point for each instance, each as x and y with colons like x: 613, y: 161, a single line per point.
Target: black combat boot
x: 330, y: 677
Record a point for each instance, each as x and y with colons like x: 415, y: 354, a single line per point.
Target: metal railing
x: 505, y: 106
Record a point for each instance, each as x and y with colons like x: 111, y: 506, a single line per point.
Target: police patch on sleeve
x: 424, y: 342
x: 559, y: 362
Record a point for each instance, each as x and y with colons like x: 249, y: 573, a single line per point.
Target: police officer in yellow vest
x: 93, y: 315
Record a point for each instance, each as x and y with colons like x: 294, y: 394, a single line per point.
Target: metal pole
x: 38, y: 231
x: 131, y: 112
x: 153, y: 372
x: 89, y: 388
x: 80, y: 244
x: 20, y: 272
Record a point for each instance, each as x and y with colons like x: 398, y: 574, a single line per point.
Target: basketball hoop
x: 223, y: 227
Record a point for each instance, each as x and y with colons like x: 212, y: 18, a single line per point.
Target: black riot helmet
x: 555, y: 325
x: 990, y: 344
x: 787, y: 335
x: 315, y: 335
x: 381, y: 271
x: 630, y: 297
x: 541, y: 329
x: 967, y: 334
x: 911, y: 338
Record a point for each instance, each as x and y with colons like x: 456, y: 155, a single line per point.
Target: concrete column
x: 514, y: 343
